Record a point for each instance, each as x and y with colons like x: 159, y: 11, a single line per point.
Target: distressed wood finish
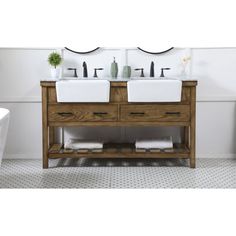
x: 119, y: 112
x: 74, y: 113
x: 45, y: 127
x: 51, y: 135
x: 118, y: 95
x: 193, y: 128
x: 117, y: 123
x: 123, y: 150
x: 155, y: 113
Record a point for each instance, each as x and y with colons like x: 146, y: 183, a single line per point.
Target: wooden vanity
x: 118, y: 112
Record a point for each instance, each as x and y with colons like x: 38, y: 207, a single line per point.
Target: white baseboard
x: 217, y: 156
x: 22, y: 156
x: 39, y: 156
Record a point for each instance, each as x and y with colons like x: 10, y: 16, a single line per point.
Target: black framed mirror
x: 157, y: 52
x: 160, y: 50
x: 79, y: 51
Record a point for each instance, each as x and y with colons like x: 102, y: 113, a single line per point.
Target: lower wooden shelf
x: 120, y: 150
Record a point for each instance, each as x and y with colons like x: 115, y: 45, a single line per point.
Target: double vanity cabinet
x: 118, y: 112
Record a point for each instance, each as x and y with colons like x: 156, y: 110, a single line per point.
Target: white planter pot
x: 55, y: 72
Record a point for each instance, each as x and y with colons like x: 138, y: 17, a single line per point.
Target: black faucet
x: 85, y: 70
x: 152, y: 73
x: 75, y: 71
x: 142, y: 74
x: 95, y: 72
x: 162, y: 71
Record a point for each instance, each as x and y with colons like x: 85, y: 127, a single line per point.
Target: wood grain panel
x: 185, y: 95
x: 193, y: 129
x: 118, y: 112
x: 45, y: 136
x: 124, y: 150
x: 155, y: 113
x: 119, y: 95
x: 52, y: 97
x: 76, y: 113
x: 118, y: 123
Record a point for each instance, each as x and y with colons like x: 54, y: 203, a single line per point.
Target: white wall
x: 215, y: 69
x: 20, y: 74
x: 22, y: 69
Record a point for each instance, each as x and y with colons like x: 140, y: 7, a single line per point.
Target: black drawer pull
x: 100, y: 113
x: 173, y: 113
x: 137, y: 113
x: 65, y: 114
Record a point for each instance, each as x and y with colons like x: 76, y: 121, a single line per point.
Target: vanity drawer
x: 155, y: 113
x: 77, y: 113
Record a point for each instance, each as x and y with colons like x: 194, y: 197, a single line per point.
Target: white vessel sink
x: 83, y: 91
x: 161, y: 90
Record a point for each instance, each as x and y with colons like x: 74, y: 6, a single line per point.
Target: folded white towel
x: 83, y: 144
x: 163, y: 143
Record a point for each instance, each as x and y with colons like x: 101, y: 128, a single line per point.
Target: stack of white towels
x: 162, y: 143
x: 77, y: 144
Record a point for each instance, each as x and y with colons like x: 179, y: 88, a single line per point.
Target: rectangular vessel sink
x: 83, y: 91
x: 162, y: 90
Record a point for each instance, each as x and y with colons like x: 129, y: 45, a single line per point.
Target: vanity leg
x: 186, y: 136
x: 192, y: 149
x: 51, y: 135
x: 45, y: 148
x: 193, y: 129
x: 45, y: 128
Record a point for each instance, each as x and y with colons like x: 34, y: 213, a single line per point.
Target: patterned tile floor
x: 118, y: 173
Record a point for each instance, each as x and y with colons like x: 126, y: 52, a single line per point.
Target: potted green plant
x: 55, y: 59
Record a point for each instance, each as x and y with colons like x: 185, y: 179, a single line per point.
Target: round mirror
x: 155, y: 51
x: 81, y: 50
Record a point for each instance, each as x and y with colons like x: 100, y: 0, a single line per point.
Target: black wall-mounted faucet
x: 85, y: 70
x: 141, y: 69
x: 75, y: 71
x: 162, y: 71
x: 95, y: 72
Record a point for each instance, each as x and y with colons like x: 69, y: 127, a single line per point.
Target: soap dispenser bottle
x: 114, y: 69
